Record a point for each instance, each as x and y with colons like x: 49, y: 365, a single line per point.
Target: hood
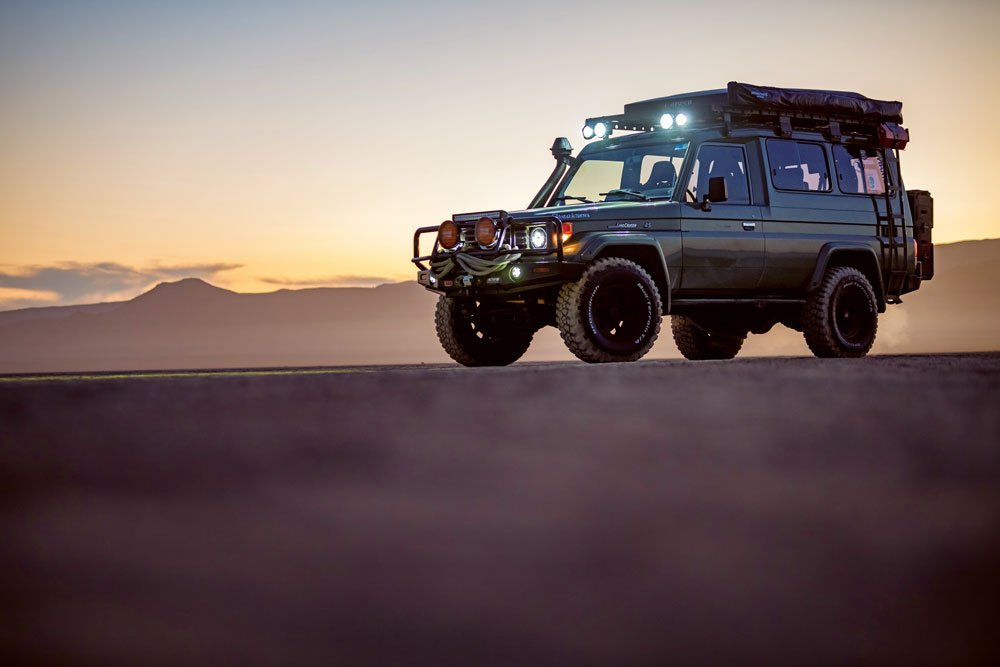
x: 617, y: 210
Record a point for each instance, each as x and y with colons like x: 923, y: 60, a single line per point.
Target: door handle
x: 749, y: 226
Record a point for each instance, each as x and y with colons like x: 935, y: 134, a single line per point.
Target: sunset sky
x: 284, y: 144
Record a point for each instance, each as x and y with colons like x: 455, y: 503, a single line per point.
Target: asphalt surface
x: 754, y: 512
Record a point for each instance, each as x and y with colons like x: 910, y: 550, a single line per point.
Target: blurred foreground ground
x: 761, y: 511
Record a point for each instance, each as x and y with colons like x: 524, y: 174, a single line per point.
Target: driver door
x: 723, y: 247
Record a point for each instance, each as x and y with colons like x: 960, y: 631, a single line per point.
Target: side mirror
x: 718, y: 191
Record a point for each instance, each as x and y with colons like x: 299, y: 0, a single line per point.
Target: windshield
x: 636, y: 174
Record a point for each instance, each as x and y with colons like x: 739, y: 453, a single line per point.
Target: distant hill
x: 191, y: 324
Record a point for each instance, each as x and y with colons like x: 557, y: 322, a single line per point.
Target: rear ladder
x: 891, y: 230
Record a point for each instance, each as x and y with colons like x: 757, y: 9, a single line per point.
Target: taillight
x: 448, y: 235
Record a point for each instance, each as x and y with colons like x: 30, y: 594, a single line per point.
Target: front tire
x: 699, y: 343
x: 612, y: 313
x: 474, y: 335
x: 840, y: 318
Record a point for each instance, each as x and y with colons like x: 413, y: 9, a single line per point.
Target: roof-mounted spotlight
x: 588, y: 132
x: 601, y: 129
x: 682, y: 119
x: 666, y: 121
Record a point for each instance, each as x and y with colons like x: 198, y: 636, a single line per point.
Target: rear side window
x: 798, y: 165
x: 859, y: 171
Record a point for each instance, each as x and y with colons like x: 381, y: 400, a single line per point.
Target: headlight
x: 538, y: 238
x: 448, y: 235
x: 486, y: 232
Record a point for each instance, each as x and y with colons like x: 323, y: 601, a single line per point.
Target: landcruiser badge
x: 624, y: 225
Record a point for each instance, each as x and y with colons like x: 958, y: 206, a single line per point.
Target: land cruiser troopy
x: 730, y: 210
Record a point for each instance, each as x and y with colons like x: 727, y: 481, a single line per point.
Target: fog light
x: 486, y: 231
x: 448, y: 235
x: 537, y: 238
x: 515, y: 272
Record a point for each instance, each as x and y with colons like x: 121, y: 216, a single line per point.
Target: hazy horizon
x: 184, y: 325
x: 259, y: 145
x: 291, y: 285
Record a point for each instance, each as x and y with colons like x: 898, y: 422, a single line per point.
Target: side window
x: 726, y: 161
x: 859, y: 171
x: 798, y: 165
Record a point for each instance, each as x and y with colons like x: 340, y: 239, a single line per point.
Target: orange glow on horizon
x: 308, y: 144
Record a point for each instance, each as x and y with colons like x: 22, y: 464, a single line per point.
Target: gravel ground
x: 757, y: 512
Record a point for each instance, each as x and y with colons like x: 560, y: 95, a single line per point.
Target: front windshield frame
x: 633, y: 178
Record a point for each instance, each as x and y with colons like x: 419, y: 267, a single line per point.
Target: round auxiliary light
x: 448, y: 235
x: 681, y: 119
x: 601, y: 130
x: 486, y: 231
x: 515, y: 272
x: 588, y: 132
x: 666, y: 121
x: 537, y: 238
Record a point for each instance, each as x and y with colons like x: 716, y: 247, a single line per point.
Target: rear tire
x: 840, y: 317
x: 612, y: 313
x: 698, y: 343
x: 473, y: 336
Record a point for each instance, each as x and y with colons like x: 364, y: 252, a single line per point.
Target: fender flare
x: 594, y: 243
x: 855, y: 248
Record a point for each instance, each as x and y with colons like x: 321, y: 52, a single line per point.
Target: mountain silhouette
x: 192, y: 324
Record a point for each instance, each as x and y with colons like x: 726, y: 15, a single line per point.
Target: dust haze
x: 191, y: 324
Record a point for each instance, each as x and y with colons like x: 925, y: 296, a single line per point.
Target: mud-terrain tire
x: 612, y: 313
x: 697, y: 343
x: 840, y: 317
x: 473, y: 341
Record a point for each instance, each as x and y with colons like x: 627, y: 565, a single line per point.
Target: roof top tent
x: 842, y: 115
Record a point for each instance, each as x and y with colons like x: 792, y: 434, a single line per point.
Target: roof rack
x: 842, y: 116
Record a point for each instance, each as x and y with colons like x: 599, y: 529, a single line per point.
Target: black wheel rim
x: 854, y: 315
x: 476, y: 323
x: 483, y: 325
x: 620, y: 313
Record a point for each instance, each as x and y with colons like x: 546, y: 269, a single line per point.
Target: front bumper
x: 533, y: 269
x: 530, y: 275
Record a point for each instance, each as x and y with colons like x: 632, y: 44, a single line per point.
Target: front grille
x: 519, y: 237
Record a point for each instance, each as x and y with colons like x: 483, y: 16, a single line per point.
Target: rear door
x: 723, y: 248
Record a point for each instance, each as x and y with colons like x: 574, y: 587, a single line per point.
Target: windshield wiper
x: 581, y: 199
x: 624, y: 191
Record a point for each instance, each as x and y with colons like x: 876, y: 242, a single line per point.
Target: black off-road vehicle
x: 730, y: 210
